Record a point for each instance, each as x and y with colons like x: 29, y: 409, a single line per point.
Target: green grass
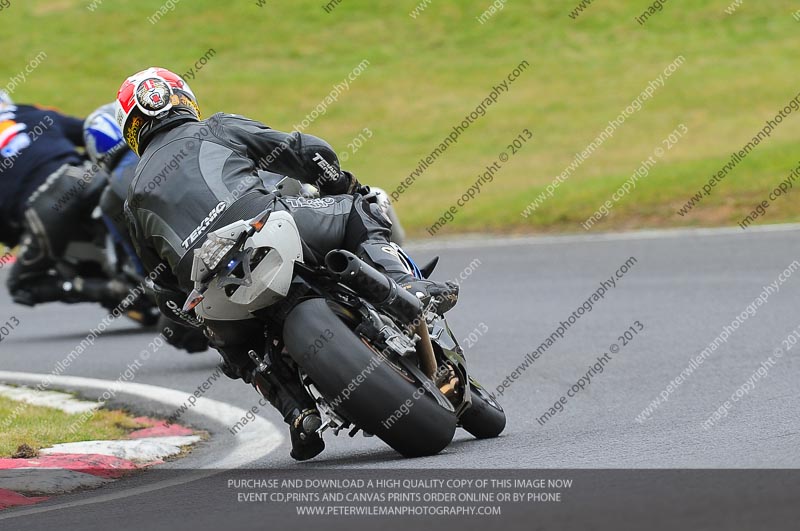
x: 41, y: 427
x: 277, y: 62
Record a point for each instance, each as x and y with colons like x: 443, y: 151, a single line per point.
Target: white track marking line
x: 142, y: 450
x: 53, y: 399
x: 259, y: 439
x: 483, y: 240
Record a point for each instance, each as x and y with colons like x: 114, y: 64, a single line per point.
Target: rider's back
x: 187, y: 178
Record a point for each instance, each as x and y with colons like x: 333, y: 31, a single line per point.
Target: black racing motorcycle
x: 371, y: 356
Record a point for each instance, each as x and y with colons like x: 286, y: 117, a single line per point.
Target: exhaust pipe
x: 373, y: 285
x: 384, y: 293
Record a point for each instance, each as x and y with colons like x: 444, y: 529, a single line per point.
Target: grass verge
x: 41, y: 427
x: 428, y: 70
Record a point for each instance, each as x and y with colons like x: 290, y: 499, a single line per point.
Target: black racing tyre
x: 485, y: 418
x: 380, y: 396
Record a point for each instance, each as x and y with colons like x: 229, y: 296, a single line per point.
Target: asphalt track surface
x: 684, y: 287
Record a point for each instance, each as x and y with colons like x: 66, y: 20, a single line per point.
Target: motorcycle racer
x: 160, y: 121
x: 47, y: 189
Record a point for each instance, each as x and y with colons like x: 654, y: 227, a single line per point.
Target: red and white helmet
x: 148, y: 96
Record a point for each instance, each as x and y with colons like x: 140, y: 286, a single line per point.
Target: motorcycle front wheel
x: 485, y: 418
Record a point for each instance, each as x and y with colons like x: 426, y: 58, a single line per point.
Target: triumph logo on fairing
x: 327, y: 168
x: 209, y: 219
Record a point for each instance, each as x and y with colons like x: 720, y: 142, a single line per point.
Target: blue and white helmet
x: 103, y: 138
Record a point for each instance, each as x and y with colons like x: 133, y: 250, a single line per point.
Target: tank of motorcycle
x: 267, y: 283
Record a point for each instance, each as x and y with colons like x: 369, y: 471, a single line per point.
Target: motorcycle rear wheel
x: 373, y: 391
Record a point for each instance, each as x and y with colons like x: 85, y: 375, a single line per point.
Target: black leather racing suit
x: 48, y: 190
x: 34, y: 143
x: 197, y: 176
x: 121, y: 171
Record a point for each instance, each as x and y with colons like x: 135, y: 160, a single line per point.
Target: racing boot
x: 388, y: 259
x: 30, y: 280
x: 445, y: 293
x: 282, y: 390
x: 303, y: 426
x: 299, y: 412
x: 33, y: 280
